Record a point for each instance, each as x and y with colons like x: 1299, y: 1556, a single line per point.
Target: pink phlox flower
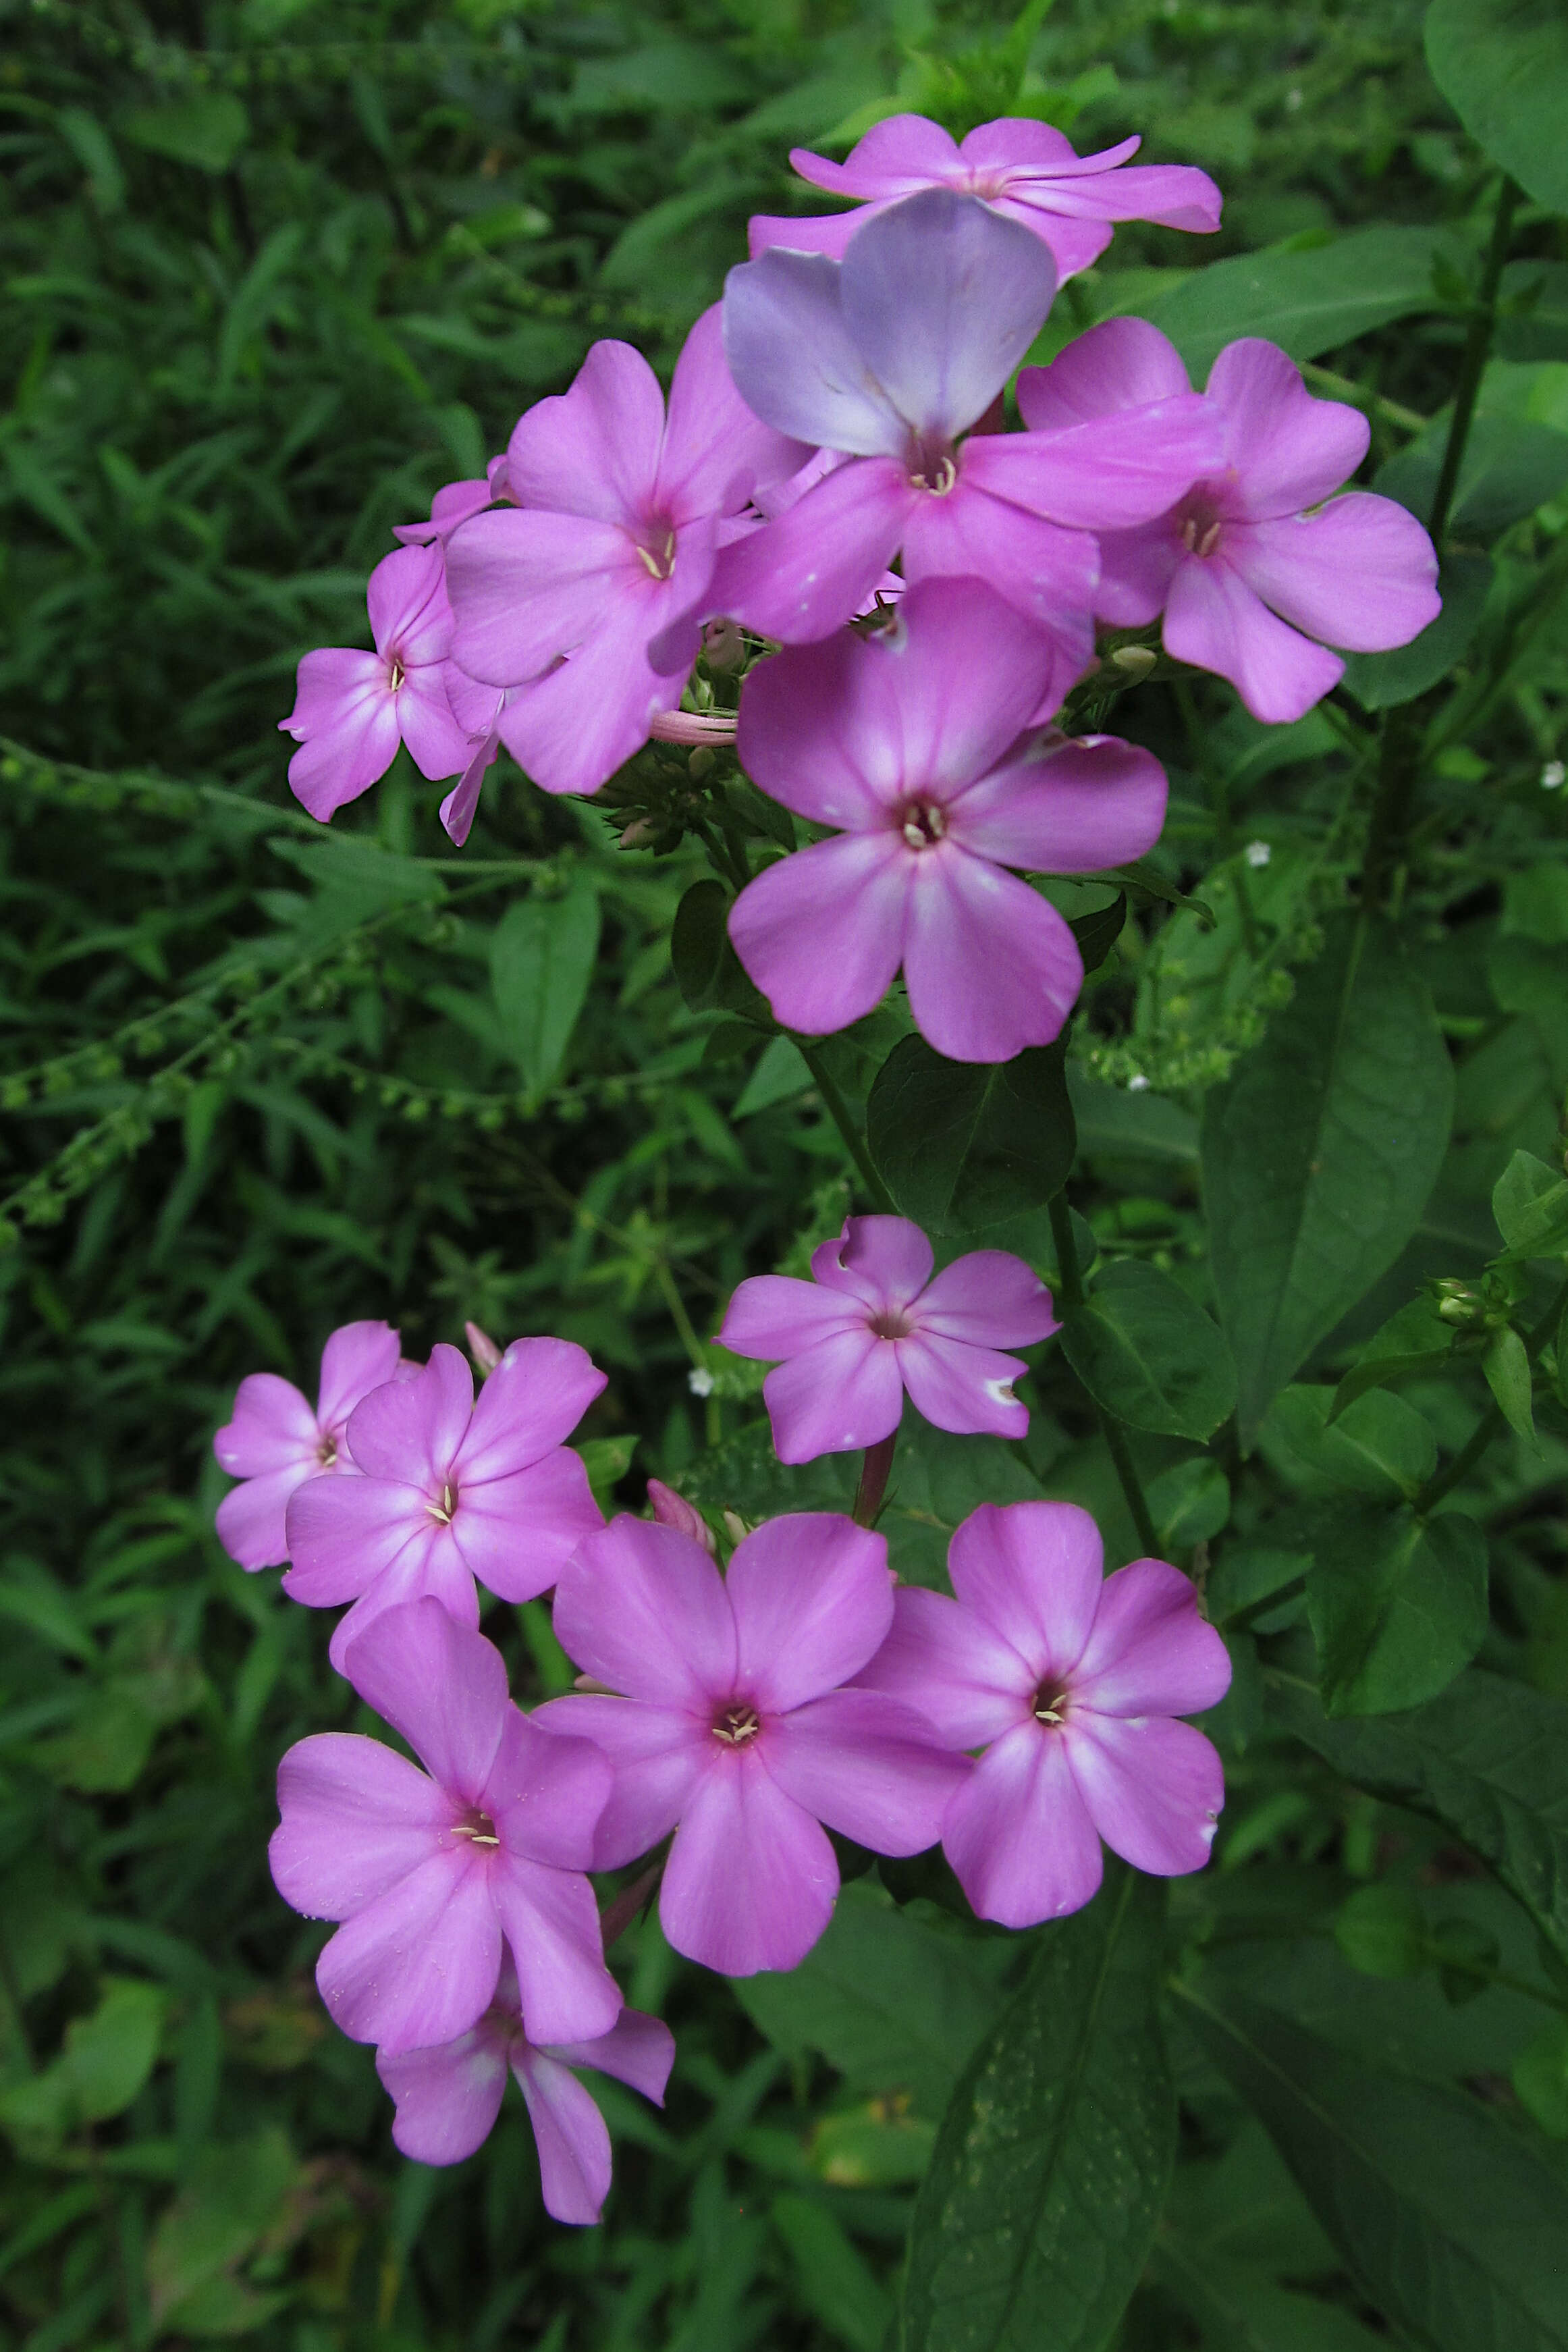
x: 735, y: 1730
x: 453, y: 503
x: 872, y: 1324
x: 1069, y: 1681
x: 915, y: 741
x: 436, y: 1874
x: 448, y: 2098
x: 1026, y: 171
x: 478, y: 711
x: 352, y: 710
x: 891, y: 357
x: 275, y: 1439
x: 1248, y: 565
x: 608, y: 552
x: 451, y: 1488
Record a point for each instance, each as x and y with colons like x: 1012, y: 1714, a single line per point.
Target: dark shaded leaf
x: 1148, y: 1353
x: 1502, y: 65
x: 1398, y: 1606
x: 961, y: 1145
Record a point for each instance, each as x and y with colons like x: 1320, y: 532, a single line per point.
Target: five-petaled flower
x: 1026, y: 171
x: 1069, y: 1681
x: 915, y: 741
x: 448, y: 2097
x: 451, y: 1489
x: 434, y: 1875
x: 872, y: 1323
x: 275, y: 1440
x: 735, y: 1729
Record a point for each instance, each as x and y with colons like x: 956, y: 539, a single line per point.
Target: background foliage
x: 272, y: 272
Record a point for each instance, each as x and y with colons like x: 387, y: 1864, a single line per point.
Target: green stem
x: 1492, y: 1423
x: 1069, y: 1290
x: 1472, y: 363
x: 1398, y: 770
x: 854, y: 1141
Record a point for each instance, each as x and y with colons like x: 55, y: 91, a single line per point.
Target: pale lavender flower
x: 275, y: 1439
x: 735, y: 1730
x: 448, y: 2098
x: 872, y: 1324
x: 891, y: 357
x: 1026, y: 171
x: 915, y: 741
x: 436, y: 1874
x: 351, y: 710
x: 1248, y: 565
x: 451, y: 1488
x: 1070, y: 1681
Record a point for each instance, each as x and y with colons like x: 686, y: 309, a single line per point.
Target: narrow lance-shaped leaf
x: 541, y: 960
x: 1049, y: 2170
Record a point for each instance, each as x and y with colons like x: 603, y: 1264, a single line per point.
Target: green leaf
x: 1529, y: 1202
x: 832, y: 2277
x: 1240, y: 2308
x: 895, y: 2002
x: 1541, y: 2078
x: 780, y: 1075
x: 106, y: 2058
x: 211, y: 2227
x: 1512, y: 466
x: 1149, y: 1354
x: 541, y: 960
x: 1416, y: 1339
x: 1381, y: 1930
x: 1049, y: 2170
x: 1507, y: 1368
x: 1378, y: 1446
x: 1378, y: 681
x: 1489, y: 1760
x: 1098, y: 933
x: 1451, y: 2225
x: 606, y: 1461
x: 206, y: 130
x: 961, y: 1145
x: 1319, y: 1154
x: 1397, y: 1604
x: 1308, y: 302
x: 1189, y: 1502
x: 1502, y: 65
x: 707, y: 970
x: 1532, y: 323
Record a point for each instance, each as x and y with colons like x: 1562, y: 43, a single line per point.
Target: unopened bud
x: 1133, y: 661
x: 639, y: 834
x: 701, y: 760
x: 673, y: 1510
x: 735, y: 1526
x: 724, y: 648
x: 483, y: 1349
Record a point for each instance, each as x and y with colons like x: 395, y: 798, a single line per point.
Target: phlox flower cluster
x: 833, y: 494
x: 727, y: 1722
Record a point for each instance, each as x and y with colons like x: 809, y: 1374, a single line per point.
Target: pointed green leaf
x: 1502, y: 65
x: 1146, y: 1351
x: 541, y: 960
x: 1398, y: 1606
x: 961, y: 1145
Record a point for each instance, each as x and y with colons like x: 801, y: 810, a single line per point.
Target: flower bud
x: 673, y: 1510
x: 639, y: 834
x: 1134, y: 662
x: 724, y: 648
x: 483, y: 1349
x: 701, y: 760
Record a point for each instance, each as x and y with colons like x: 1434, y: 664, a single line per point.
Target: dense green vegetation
x: 272, y: 272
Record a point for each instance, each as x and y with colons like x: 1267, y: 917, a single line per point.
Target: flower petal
x: 1032, y: 1571
x: 894, y: 157
x: 517, y: 1534
x: 1215, y: 620
x: 429, y: 1567
x: 1150, y: 1653
x: 795, y: 361
x: 989, y: 1298
x: 637, y: 2049
x: 546, y: 1792
x: 272, y: 1428
x: 950, y: 687
x: 1289, y: 449
x: 411, y: 1428
x: 1070, y: 808
x: 442, y: 1685
x: 716, y: 448
x: 571, y: 2136
x: 1018, y: 1835
x: 447, y: 2099
x: 343, y: 757
x: 842, y: 1393
x: 418, y: 1966
x: 819, y: 732
x: 437, y: 744
x: 821, y: 560
x: 342, y: 1533
x: 944, y: 1660
x: 643, y: 1608
x: 990, y: 966
x: 751, y: 1877
x: 1153, y: 1789
x: 571, y: 731
x: 1137, y: 568
x: 593, y: 451
x: 942, y: 298
x: 358, y: 1358
x: 357, y: 1818
x: 656, y: 1753
x: 1362, y: 573
x: 1107, y: 473
x: 528, y: 587
x: 1121, y: 363
x: 532, y: 1400
x: 773, y: 1315
x: 551, y: 1924
x: 813, y: 1602
x: 887, y: 1260
x: 963, y: 1388
x: 868, y: 1765
x: 821, y: 933
x: 1043, y: 572
x: 251, y: 1522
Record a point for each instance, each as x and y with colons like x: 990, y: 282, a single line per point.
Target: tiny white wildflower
x: 700, y: 1383
x: 1551, y: 776
x: 1137, y: 1083
x: 1258, y: 853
